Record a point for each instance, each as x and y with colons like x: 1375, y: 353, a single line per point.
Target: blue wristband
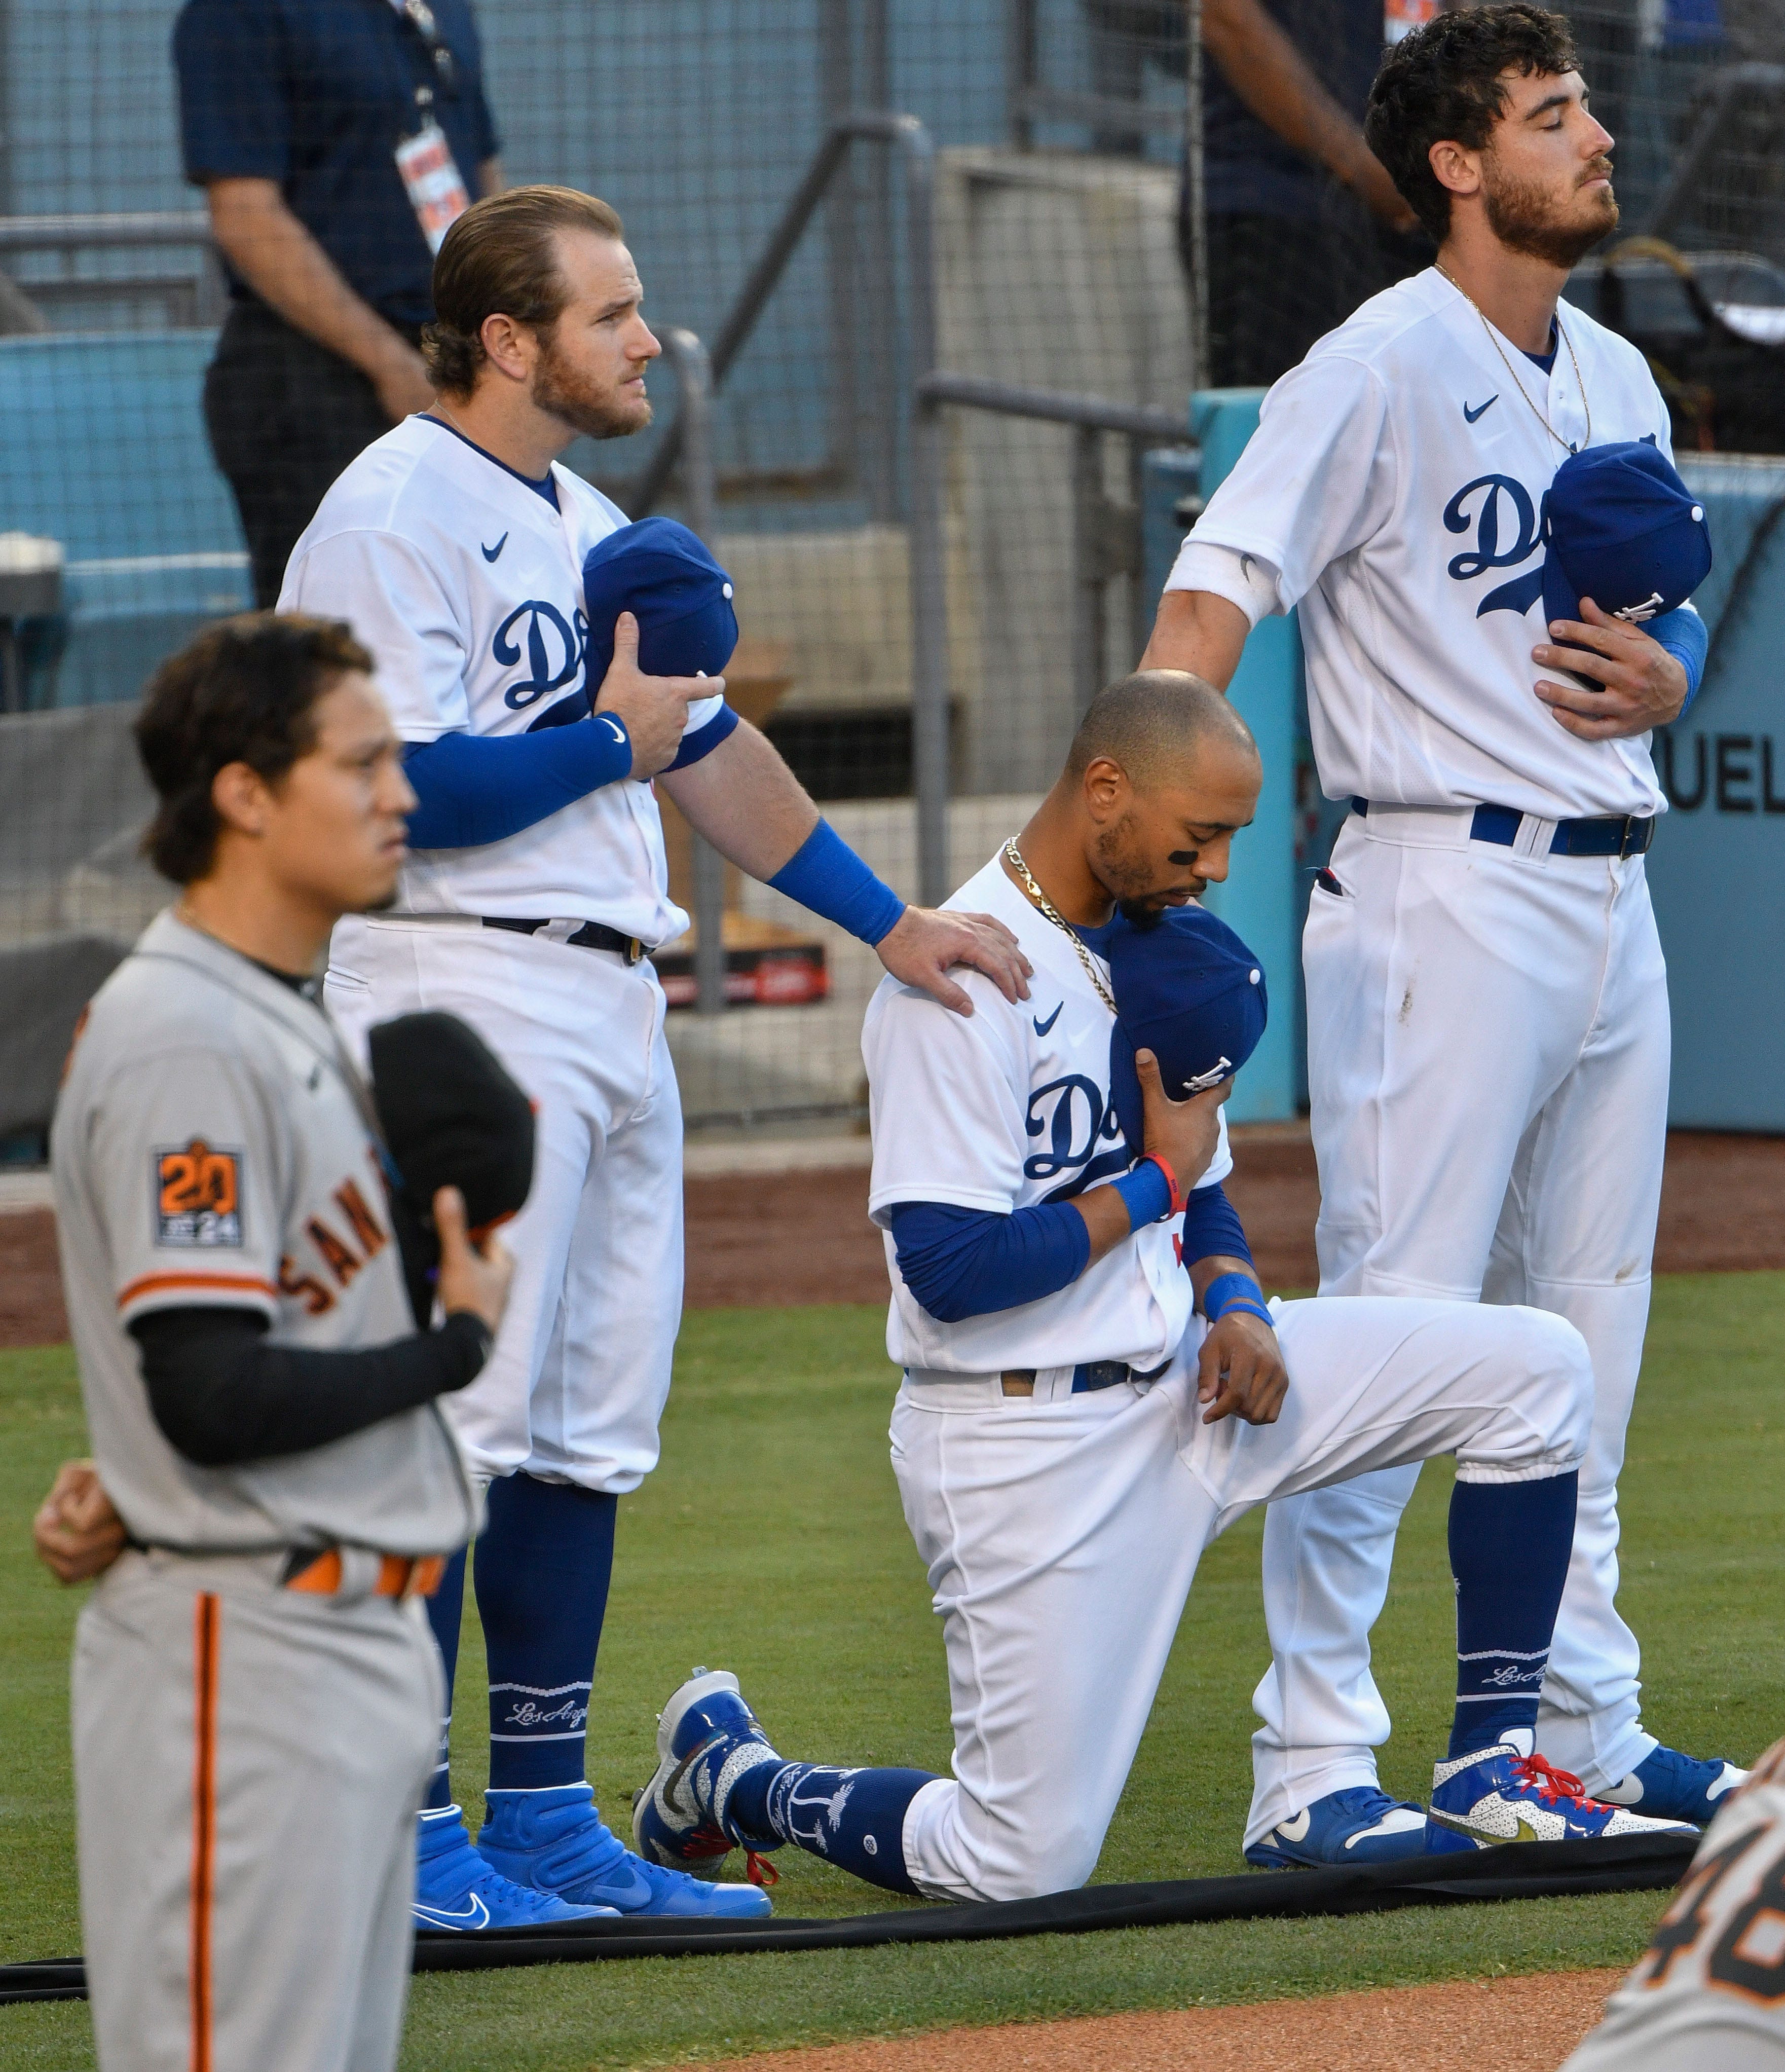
x: 1686, y: 637
x: 827, y: 876
x: 1228, y: 1292
x: 1146, y: 1193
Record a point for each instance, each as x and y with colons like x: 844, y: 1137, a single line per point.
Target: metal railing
x: 148, y: 229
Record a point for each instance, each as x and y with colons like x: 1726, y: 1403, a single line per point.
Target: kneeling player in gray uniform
x: 1094, y: 1385
x: 256, y: 1692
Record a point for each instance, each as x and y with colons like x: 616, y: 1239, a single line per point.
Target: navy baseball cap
x: 1191, y: 992
x: 1624, y: 530
x: 663, y: 574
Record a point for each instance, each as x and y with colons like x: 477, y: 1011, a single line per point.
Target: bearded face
x: 587, y: 394
x: 1531, y: 216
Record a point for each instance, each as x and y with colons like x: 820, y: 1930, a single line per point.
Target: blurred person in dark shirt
x: 1302, y: 222
x: 335, y: 140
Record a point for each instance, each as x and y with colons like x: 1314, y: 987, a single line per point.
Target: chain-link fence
x: 939, y: 346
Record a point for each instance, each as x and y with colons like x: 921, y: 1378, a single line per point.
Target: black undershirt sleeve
x: 221, y: 1395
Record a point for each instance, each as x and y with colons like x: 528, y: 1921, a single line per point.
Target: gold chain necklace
x: 1013, y: 856
x: 1493, y: 340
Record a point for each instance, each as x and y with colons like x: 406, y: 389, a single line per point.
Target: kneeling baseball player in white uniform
x: 1095, y: 1387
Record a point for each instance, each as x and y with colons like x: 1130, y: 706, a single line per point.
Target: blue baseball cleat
x: 1360, y: 1825
x: 555, y: 1841
x: 707, y: 1738
x: 1668, y: 1785
x: 1498, y: 1796
x: 455, y: 1887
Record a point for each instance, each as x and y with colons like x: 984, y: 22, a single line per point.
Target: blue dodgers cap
x: 663, y: 574
x: 1624, y: 530
x: 1191, y: 992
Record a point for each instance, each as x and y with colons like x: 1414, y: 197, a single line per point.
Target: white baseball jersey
x: 466, y: 583
x: 1709, y: 1995
x: 1394, y: 491
x: 1000, y: 1110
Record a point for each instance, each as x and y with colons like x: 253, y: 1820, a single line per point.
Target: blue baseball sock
x: 1509, y: 1548
x: 446, y: 1609
x: 542, y: 1570
x: 854, y: 1819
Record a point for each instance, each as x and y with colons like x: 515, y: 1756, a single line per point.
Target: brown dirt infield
x: 778, y: 1240
x: 1527, y: 2024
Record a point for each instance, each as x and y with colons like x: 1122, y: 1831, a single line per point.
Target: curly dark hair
x: 499, y: 258
x: 1442, y: 82
x: 244, y: 691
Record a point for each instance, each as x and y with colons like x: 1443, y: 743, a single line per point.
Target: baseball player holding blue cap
x: 1094, y: 1385
x: 543, y: 660
x: 1467, y: 492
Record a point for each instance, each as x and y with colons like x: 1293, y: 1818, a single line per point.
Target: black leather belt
x: 1612, y: 834
x: 1088, y: 1376
x: 591, y: 935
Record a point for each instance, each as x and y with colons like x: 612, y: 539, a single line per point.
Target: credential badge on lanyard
x: 424, y: 161
x: 432, y: 181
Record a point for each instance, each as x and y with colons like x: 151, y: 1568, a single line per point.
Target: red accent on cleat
x: 759, y: 1870
x: 1552, y: 1783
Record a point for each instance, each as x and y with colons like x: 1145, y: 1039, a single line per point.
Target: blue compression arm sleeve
x: 474, y: 788
x: 1212, y: 1228
x: 1687, y: 638
x: 961, y: 1263
x: 825, y: 875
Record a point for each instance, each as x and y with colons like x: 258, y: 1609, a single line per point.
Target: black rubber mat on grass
x: 1633, y: 1863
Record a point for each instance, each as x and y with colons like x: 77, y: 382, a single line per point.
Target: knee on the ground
x: 966, y: 1858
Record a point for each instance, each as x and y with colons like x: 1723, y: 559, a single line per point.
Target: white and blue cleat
x: 456, y: 1888
x: 1360, y: 1825
x: 1668, y: 1785
x: 555, y: 1842
x: 1498, y: 1794
x: 707, y: 1738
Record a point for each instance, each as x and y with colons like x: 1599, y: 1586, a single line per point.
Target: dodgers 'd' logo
x: 553, y: 651
x: 1075, y: 1117
x: 1508, y: 529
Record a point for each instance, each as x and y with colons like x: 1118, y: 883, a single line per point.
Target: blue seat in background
x: 102, y: 446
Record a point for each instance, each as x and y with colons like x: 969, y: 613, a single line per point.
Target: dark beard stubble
x: 1520, y: 216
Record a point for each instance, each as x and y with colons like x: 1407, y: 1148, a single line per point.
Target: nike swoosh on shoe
x: 472, y: 1915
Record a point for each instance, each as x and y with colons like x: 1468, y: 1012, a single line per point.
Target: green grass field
x: 771, y: 1542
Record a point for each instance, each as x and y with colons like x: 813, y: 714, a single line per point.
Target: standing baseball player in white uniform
x: 255, y: 1686
x: 1487, y: 1014
x: 457, y: 548
x: 1069, y: 1435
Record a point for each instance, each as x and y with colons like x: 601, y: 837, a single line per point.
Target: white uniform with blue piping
x: 466, y: 583
x: 1061, y: 1529
x: 1488, y: 1036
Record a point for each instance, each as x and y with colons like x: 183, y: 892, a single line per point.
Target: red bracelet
x: 1180, y: 1200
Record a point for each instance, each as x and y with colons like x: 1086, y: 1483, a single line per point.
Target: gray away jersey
x: 209, y: 1148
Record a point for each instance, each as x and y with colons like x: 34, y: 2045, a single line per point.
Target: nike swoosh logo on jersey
x: 1043, y: 1027
x: 491, y: 553
x: 1481, y: 411
x: 474, y: 1915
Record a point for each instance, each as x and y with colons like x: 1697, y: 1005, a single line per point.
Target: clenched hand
x: 77, y: 1532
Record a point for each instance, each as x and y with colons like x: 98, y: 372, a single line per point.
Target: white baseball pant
x: 575, y: 1387
x: 248, y: 1761
x: 1488, y: 1047
x: 1062, y: 1533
